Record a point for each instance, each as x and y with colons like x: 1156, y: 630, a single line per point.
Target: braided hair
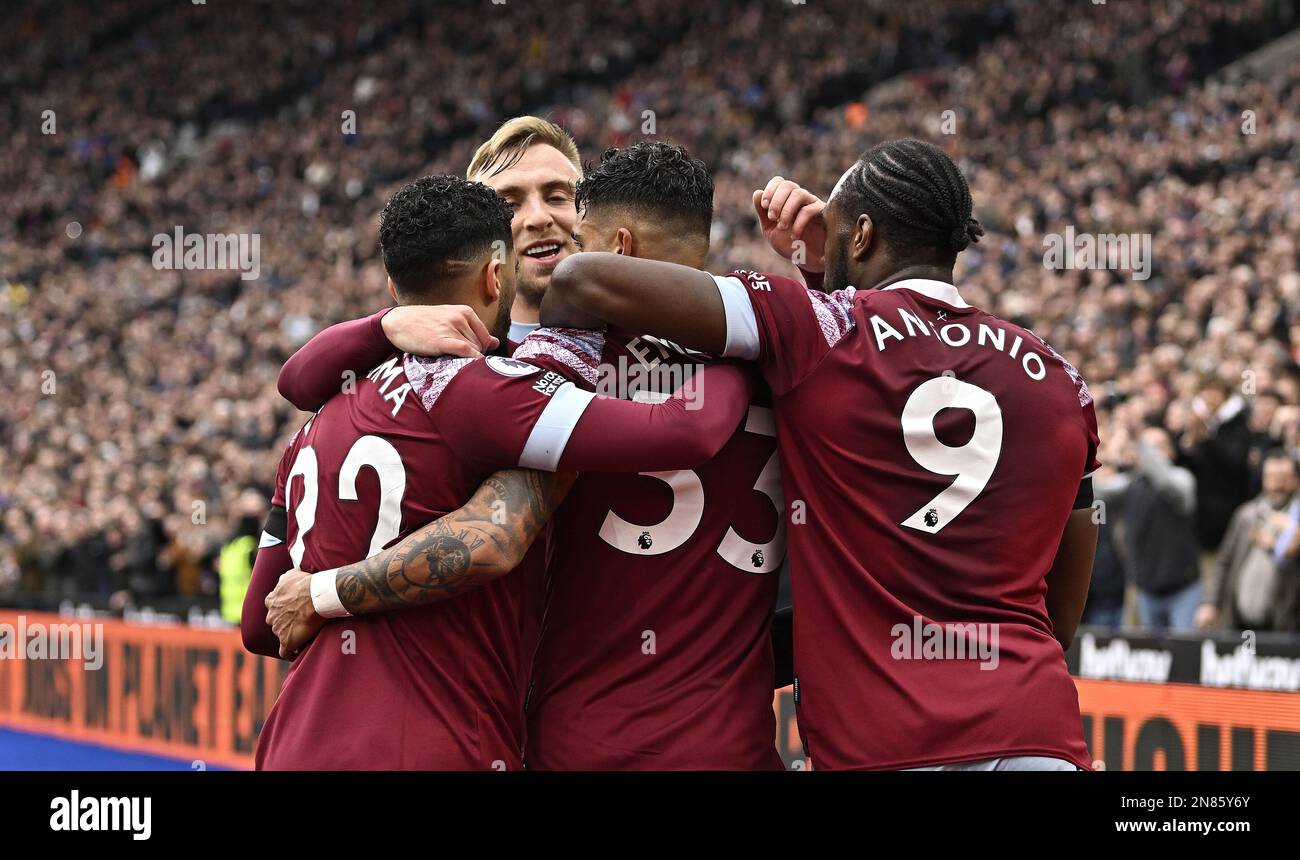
x: 917, y: 199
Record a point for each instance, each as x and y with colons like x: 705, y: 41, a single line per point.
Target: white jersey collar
x: 521, y: 330
x: 937, y: 290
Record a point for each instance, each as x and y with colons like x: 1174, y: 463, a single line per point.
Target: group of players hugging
x: 476, y: 559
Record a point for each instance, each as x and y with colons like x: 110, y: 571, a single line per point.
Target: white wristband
x: 325, y: 595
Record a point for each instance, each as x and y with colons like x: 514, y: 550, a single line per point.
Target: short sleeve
x: 1086, y: 404
x: 1094, y: 439
x: 504, y: 412
x: 781, y: 324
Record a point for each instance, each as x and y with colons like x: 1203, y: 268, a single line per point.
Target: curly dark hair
x: 657, y: 180
x: 916, y: 197
x: 435, y: 220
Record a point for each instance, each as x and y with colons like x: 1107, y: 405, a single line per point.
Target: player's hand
x: 788, y: 214
x: 438, y: 330
x: 290, y: 613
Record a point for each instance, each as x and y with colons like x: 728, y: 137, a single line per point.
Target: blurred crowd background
x: 141, y: 427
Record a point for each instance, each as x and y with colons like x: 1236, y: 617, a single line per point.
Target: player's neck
x: 907, y: 273
x: 524, y: 312
x: 689, y: 260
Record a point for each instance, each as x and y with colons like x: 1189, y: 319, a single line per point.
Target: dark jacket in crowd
x: 1109, y: 574
x: 87, y: 564
x: 1221, y: 464
x: 1156, y: 503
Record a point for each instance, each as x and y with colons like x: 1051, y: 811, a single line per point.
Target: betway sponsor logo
x: 1119, y: 661
x: 1244, y: 668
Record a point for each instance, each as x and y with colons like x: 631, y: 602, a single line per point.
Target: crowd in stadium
x: 142, y: 427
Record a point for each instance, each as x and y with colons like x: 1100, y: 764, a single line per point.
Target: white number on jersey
x: 688, y: 509
x: 373, y: 451
x: 972, y: 463
x: 739, y: 552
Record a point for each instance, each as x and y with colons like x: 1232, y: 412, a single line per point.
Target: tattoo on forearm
x: 460, y: 551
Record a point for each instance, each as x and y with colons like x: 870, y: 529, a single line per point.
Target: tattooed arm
x: 483, y: 540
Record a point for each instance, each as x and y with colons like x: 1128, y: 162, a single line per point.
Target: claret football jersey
x: 931, y: 456
x: 678, y: 571
x: 437, y: 687
x: 655, y: 651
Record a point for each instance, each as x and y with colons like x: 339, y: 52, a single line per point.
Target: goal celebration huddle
x: 477, y: 559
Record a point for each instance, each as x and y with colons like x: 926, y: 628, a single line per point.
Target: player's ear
x: 863, y: 233
x: 392, y: 290
x: 624, y: 243
x: 492, y: 281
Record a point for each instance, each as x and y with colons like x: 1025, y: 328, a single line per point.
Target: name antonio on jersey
x: 958, y: 335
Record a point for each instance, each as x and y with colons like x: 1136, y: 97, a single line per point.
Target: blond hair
x: 509, y: 143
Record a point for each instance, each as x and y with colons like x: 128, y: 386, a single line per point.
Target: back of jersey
x: 656, y: 650
x: 939, y: 451
x: 430, y: 688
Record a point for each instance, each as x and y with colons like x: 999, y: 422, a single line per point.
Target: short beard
x: 529, y: 292
x: 837, y: 270
x: 501, y: 327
